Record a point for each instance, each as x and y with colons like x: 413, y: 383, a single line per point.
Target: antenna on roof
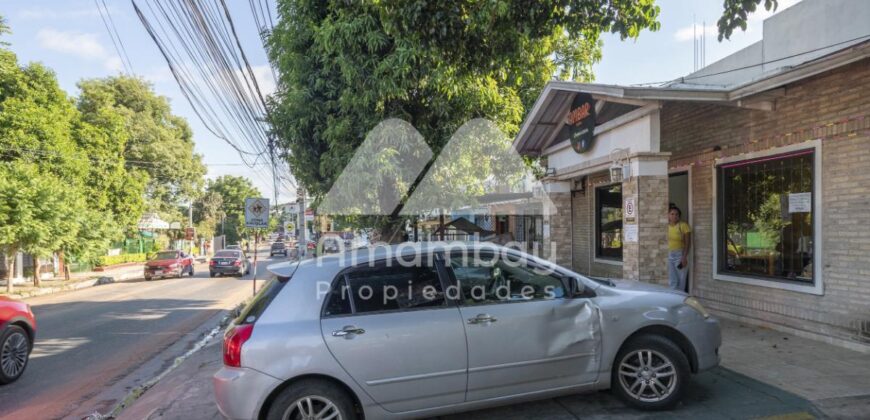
x: 694, y: 44
x: 699, y: 43
x: 703, y: 44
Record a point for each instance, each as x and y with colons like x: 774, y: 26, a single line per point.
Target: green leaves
x: 75, y: 174
x: 231, y: 192
x: 347, y: 66
x: 153, y: 140
x: 736, y: 14
x: 37, y: 215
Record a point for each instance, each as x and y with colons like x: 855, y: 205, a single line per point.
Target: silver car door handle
x: 481, y: 318
x: 348, y: 331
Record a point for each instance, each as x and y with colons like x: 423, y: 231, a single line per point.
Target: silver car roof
x: 333, y: 263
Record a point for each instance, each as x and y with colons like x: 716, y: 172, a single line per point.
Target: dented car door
x: 524, y: 332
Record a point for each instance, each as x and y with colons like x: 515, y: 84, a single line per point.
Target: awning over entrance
x: 152, y: 221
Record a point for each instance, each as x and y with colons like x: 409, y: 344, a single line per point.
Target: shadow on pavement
x: 716, y: 394
x: 83, y: 346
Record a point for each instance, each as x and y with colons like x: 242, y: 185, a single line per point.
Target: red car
x: 17, y: 331
x: 169, y: 264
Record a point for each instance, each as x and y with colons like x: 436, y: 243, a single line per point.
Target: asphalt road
x: 94, y: 345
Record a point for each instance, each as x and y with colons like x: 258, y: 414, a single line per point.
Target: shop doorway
x: 680, y: 196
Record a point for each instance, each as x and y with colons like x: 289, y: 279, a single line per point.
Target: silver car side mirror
x: 580, y: 289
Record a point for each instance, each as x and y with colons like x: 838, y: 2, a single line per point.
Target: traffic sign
x: 257, y: 212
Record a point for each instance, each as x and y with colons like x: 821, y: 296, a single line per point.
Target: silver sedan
x: 422, y: 330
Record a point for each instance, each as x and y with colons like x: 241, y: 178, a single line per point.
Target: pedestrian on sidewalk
x: 679, y: 243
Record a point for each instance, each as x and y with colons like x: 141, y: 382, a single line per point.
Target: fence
x: 134, y: 245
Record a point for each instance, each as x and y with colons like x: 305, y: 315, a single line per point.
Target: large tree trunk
x: 65, y: 270
x: 392, y: 231
x: 36, y: 268
x: 10, y: 273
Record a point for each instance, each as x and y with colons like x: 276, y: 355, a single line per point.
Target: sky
x: 69, y: 36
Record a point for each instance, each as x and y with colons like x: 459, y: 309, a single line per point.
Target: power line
x: 187, y: 42
x: 118, y: 35
x: 112, y: 35
x: 200, y: 43
x: 106, y: 161
x: 682, y: 79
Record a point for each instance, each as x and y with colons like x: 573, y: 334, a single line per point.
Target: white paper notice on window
x: 800, y: 202
x: 630, y: 233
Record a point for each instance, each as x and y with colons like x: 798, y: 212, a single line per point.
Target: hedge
x: 107, y: 260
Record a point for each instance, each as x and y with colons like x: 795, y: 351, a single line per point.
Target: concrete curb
x: 133, y: 273
x: 139, y: 391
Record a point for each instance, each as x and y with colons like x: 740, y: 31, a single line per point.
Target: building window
x: 608, y: 222
x: 765, y: 217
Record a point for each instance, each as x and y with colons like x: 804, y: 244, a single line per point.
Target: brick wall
x: 833, y: 107
x: 559, y: 242
x: 581, y: 231
x: 646, y: 259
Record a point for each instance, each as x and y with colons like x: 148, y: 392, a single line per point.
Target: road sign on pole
x: 257, y: 213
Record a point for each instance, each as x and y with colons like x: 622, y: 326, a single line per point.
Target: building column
x: 645, y: 235
x: 557, y: 223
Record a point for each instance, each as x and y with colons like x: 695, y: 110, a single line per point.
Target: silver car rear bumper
x: 240, y: 392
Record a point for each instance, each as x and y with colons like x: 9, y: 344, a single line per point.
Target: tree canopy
x: 232, y: 190
x: 157, y: 143
x: 345, y: 67
x: 50, y: 200
x: 77, y: 173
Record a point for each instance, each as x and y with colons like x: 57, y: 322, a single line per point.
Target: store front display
x: 766, y: 217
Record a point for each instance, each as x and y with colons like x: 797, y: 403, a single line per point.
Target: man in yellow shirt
x: 679, y: 242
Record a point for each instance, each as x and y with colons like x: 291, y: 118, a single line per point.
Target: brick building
x: 767, y: 153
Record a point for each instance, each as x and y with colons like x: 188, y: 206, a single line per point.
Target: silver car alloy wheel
x: 13, y: 355
x: 312, y: 407
x: 647, y: 375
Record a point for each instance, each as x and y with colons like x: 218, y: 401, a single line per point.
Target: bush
x: 107, y: 260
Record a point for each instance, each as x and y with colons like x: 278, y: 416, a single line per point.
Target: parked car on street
x: 367, y: 335
x: 169, y: 264
x: 278, y: 248
x: 229, y: 261
x: 331, y: 245
x: 17, y: 332
x: 234, y: 246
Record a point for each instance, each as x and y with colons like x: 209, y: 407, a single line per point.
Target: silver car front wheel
x: 650, y: 372
x: 647, y: 375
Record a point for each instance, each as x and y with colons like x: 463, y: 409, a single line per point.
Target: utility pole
x: 190, y: 222
x: 274, y: 169
x: 301, y: 243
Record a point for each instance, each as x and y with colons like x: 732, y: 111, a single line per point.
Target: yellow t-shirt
x: 675, y: 235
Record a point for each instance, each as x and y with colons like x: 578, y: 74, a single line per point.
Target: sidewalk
x: 836, y: 380
x: 764, y: 374
x: 125, y: 272
x: 77, y: 281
